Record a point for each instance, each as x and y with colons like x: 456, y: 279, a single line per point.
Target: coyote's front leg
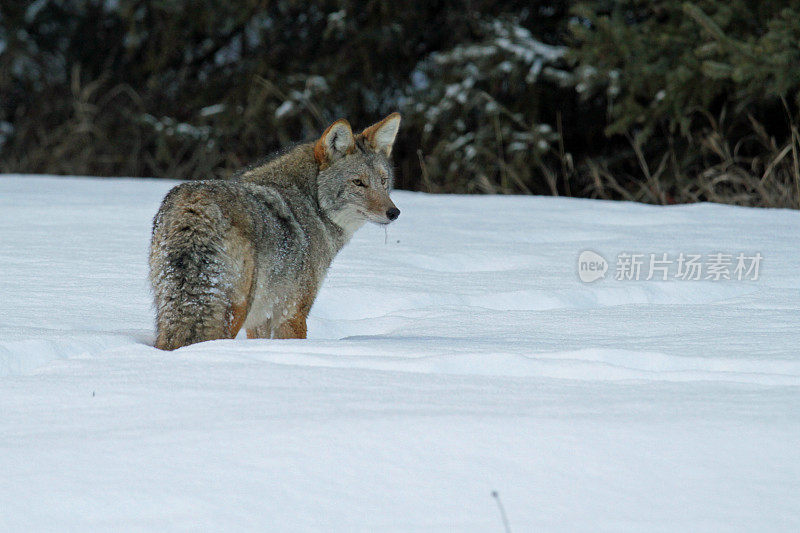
x: 263, y: 331
x: 294, y: 328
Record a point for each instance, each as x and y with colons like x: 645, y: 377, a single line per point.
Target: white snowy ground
x: 458, y: 357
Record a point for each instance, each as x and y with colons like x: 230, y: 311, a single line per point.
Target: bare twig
x: 496, y: 497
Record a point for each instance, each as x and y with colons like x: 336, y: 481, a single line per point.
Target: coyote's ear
x: 380, y: 136
x: 336, y: 142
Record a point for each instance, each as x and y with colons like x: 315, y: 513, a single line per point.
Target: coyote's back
x: 253, y: 252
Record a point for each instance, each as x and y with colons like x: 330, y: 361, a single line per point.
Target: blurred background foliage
x: 654, y: 101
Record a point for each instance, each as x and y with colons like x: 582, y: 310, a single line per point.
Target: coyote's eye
x: 359, y: 183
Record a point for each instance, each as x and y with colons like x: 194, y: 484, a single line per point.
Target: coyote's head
x: 356, y: 173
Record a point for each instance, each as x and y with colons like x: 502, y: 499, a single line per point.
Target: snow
x: 284, y: 109
x: 212, y: 110
x: 457, y: 355
x: 33, y: 10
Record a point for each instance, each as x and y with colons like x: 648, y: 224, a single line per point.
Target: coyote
x: 253, y: 251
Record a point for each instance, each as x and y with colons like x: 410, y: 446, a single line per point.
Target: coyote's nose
x: 392, y: 213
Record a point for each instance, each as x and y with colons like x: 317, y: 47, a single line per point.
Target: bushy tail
x: 194, y: 278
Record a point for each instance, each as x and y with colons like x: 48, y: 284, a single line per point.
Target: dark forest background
x: 657, y: 101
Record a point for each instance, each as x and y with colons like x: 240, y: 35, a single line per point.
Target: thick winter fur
x: 253, y: 252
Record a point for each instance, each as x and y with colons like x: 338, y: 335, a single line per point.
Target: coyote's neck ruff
x: 253, y: 251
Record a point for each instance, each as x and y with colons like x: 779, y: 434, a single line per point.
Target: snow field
x: 455, y: 355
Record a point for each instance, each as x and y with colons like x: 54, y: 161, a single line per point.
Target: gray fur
x: 253, y: 252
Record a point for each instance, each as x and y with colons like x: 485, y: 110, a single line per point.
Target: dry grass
x: 754, y: 170
x: 103, y: 133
